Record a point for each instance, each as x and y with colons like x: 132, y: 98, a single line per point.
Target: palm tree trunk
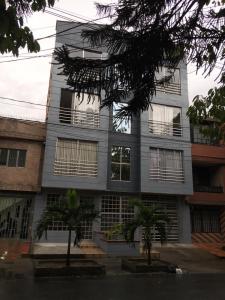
x: 149, y: 248
x: 68, y: 249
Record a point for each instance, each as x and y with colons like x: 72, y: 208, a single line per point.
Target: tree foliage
x: 142, y: 37
x: 149, y: 219
x: 13, y: 33
x: 210, y: 110
x: 71, y: 214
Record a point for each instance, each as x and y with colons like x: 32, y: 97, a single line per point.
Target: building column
x: 184, y: 221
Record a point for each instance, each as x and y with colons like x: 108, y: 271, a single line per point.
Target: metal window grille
x: 55, y: 200
x: 166, y: 165
x: 168, y: 205
x: 56, y: 225
x: 115, y: 210
x: 206, y: 220
x: 76, y: 158
x: 15, y: 217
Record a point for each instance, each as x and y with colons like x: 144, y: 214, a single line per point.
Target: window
x: 166, y: 165
x: 80, y: 111
x: 12, y: 157
x: 76, y: 158
x: 173, y: 86
x: 206, y: 220
x: 165, y: 120
x: 122, y: 125
x: 57, y: 200
x: 115, y: 210
x: 168, y: 206
x: 120, y: 157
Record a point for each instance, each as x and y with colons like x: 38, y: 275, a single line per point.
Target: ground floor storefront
x: 114, y: 209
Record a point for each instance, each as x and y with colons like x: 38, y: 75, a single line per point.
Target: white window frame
x: 121, y: 163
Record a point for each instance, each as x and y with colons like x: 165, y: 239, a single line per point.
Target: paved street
x: 190, y: 287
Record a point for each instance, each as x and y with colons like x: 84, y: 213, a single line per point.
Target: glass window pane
x: 3, y: 157
x: 22, y: 158
x: 116, y: 152
x: 125, y: 172
x: 125, y: 154
x: 115, y: 171
x: 12, y: 158
x: 122, y: 125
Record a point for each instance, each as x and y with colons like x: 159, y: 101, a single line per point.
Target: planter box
x: 139, y: 265
x: 78, y: 267
x: 116, y: 247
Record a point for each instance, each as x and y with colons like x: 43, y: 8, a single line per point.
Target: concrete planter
x: 116, y: 247
x: 78, y: 267
x: 139, y: 265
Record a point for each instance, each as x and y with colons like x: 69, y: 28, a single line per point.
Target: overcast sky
x: 27, y: 80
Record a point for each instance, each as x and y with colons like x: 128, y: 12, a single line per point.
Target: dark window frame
x: 16, y: 160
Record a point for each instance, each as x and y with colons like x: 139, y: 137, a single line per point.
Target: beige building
x: 21, y: 159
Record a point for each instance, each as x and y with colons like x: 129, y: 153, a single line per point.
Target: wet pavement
x: 185, y: 287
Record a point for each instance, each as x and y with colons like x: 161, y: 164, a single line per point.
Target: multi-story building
x: 108, y: 160
x: 21, y: 158
x: 208, y: 201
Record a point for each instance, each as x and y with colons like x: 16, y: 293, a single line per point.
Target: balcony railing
x: 171, y: 175
x: 173, y: 88
x: 208, y: 189
x: 165, y: 128
x: 75, y: 168
x: 79, y: 118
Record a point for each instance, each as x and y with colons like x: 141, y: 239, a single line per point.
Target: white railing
x: 75, y: 168
x: 173, y: 88
x: 164, y: 128
x: 79, y: 118
x: 173, y: 175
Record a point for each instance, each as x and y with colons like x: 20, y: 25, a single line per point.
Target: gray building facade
x: 108, y: 161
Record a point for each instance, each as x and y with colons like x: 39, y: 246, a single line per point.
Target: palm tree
x: 148, y: 218
x: 72, y: 214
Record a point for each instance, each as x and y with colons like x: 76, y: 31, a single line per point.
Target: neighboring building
x: 107, y: 161
x: 208, y: 201
x: 21, y: 155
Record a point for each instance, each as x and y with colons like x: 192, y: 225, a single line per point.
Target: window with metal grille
x: 75, y: 158
x: 206, y: 220
x: 166, y: 165
x: 12, y: 157
x: 165, y: 120
x: 174, y: 84
x: 56, y: 200
x: 120, y: 163
x: 168, y: 205
x: 115, y: 209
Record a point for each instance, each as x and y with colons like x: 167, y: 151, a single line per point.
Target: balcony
x: 171, y: 175
x: 172, y: 88
x: 208, y: 189
x: 199, y: 138
x: 163, y: 128
x: 86, y: 118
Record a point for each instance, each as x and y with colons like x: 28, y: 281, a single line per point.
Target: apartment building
x: 108, y: 160
x: 21, y: 158
x: 207, y: 204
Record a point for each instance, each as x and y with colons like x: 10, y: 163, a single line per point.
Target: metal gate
x: 15, y: 217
